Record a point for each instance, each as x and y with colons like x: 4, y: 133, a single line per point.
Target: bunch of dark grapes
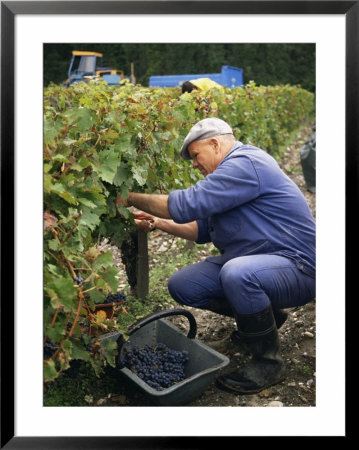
x: 78, y: 280
x: 49, y: 348
x: 115, y: 298
x: 159, y: 366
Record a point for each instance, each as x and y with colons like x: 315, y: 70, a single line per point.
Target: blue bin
x: 229, y: 77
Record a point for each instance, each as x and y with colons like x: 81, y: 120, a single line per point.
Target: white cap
x: 204, y: 129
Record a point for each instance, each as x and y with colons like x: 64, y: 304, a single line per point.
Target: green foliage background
x: 265, y: 64
x: 103, y: 140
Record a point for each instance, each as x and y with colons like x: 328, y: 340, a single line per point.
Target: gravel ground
x: 297, y: 335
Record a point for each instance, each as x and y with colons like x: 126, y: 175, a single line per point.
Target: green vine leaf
x: 65, y: 294
x: 50, y: 372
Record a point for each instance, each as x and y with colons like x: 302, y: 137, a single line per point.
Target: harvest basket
x: 200, y: 370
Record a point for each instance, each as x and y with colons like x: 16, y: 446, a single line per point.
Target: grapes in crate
x: 158, y: 365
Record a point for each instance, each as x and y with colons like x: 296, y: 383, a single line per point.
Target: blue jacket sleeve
x: 234, y: 182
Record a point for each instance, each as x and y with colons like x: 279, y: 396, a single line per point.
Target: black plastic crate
x: 200, y: 370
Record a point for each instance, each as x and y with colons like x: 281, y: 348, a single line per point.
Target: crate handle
x: 169, y: 312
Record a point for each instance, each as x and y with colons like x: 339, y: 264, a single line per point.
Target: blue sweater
x: 249, y: 206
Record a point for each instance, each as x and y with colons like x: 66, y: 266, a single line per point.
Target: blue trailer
x: 229, y: 77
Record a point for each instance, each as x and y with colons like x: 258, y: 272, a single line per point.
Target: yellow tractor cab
x: 83, y: 67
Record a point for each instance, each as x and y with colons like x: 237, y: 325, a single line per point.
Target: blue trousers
x: 248, y: 283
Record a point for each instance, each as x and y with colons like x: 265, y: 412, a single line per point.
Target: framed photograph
x: 26, y: 27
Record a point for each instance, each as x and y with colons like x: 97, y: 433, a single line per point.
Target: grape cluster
x: 159, y: 366
x: 78, y: 280
x: 115, y: 298
x: 49, y: 348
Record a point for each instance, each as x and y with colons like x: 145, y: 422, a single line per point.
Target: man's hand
x: 144, y: 225
x: 122, y: 202
x: 144, y: 221
x: 141, y: 215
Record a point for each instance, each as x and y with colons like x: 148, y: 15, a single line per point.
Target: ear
x: 215, y: 144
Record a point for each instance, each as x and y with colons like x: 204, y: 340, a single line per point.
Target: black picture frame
x: 9, y: 9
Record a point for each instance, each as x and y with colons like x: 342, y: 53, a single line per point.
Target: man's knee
x: 179, y: 287
x: 194, y: 286
x: 236, y: 274
x: 242, y: 288
x: 175, y: 288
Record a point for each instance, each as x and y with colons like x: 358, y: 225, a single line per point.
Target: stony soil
x: 297, y: 335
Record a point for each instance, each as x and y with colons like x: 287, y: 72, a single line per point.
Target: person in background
x: 262, y: 226
x: 202, y: 84
x: 307, y: 160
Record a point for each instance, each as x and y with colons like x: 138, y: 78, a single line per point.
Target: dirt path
x: 297, y: 335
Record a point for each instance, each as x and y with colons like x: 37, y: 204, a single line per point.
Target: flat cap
x: 204, y: 129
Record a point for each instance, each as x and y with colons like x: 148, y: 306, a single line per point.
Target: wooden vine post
x: 142, y: 266
x: 134, y: 252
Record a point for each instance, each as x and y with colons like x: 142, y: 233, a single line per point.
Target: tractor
x: 87, y: 70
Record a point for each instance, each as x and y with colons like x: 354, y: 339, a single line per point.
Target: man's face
x: 205, y: 155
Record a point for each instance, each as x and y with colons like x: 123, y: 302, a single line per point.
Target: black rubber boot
x: 223, y: 307
x: 280, y: 317
x: 259, y: 333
